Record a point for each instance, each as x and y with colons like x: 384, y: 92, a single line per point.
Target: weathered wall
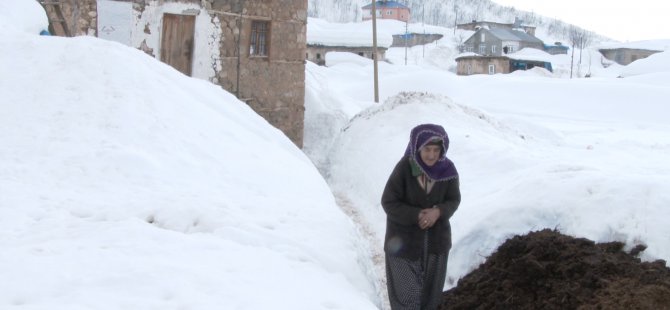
x: 146, y: 36
x: 414, y: 39
x: 317, y: 54
x: 480, y: 65
x: 624, y: 56
x: 71, y: 18
x: 274, y: 86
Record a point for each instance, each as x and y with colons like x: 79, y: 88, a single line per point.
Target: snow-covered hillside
x: 447, y: 13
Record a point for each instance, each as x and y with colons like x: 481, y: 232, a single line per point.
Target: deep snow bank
x: 124, y: 184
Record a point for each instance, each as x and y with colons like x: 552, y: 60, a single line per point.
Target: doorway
x: 177, y: 41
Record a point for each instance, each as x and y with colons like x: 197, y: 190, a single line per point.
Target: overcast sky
x: 632, y: 20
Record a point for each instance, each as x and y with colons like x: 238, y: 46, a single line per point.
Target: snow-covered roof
x: 513, y: 35
x: 467, y: 54
x: 652, y: 45
x: 322, y: 32
x: 532, y: 54
x: 386, y: 5
x: 399, y: 27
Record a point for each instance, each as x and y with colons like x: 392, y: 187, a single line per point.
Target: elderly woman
x: 420, y: 196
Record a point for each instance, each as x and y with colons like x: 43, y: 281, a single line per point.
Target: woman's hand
x: 428, y: 217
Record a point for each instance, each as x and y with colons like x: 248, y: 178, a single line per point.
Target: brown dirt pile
x: 548, y: 270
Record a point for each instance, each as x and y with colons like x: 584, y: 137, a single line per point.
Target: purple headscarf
x: 423, y: 134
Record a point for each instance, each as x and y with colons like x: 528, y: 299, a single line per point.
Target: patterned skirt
x: 416, y: 284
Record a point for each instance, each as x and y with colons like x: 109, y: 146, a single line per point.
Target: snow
x: 585, y: 156
x: 20, y: 16
x: 321, y: 32
x: 652, y: 45
x: 531, y: 54
x: 125, y: 184
x: 656, y: 63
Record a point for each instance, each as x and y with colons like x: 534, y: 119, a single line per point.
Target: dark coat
x: 403, y: 199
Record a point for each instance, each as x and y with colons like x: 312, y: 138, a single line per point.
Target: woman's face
x: 430, y: 154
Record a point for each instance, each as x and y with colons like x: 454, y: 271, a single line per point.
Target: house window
x: 361, y: 54
x: 389, y: 12
x: 260, y: 38
x: 318, y: 56
x: 493, y: 49
x: 469, y: 69
x: 483, y: 37
x: 492, y: 69
x: 482, y: 49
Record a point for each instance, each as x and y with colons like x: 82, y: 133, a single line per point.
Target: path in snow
x: 371, y: 242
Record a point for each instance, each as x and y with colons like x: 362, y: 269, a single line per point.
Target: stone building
x: 324, y: 37
x: 317, y: 53
x: 254, y: 49
x: 500, y: 41
x: 387, y: 10
x: 414, y: 39
x: 471, y: 63
x: 624, y: 56
x: 518, y: 24
x: 69, y: 18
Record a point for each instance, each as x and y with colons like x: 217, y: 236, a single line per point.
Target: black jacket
x: 403, y: 199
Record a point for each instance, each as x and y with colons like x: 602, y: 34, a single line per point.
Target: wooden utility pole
x: 374, y: 48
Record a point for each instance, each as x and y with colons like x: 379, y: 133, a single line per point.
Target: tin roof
x: 513, y: 35
x: 386, y: 5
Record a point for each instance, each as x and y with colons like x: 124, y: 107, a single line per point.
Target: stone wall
x: 625, y: 56
x: 414, y: 39
x: 69, y: 18
x: 317, y: 53
x: 480, y: 65
x: 272, y: 85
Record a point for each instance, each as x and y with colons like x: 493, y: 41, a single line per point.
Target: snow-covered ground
x: 124, y: 184
x: 585, y: 156
x: 127, y: 185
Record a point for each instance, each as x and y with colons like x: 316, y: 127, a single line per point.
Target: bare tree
x: 586, y: 39
x: 579, y: 38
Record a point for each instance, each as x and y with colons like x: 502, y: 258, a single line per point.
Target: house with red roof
x: 387, y: 10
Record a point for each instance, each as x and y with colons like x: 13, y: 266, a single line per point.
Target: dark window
x: 318, y: 56
x: 260, y: 38
x: 360, y: 54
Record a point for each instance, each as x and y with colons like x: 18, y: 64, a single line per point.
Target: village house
x: 254, y: 49
x: 387, y: 10
x: 472, y: 63
x: 500, y: 41
x: 324, y: 37
x: 556, y: 49
x: 316, y: 53
x: 517, y: 25
x: 413, y: 39
x: 69, y: 18
x: 625, y: 56
x: 626, y: 53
